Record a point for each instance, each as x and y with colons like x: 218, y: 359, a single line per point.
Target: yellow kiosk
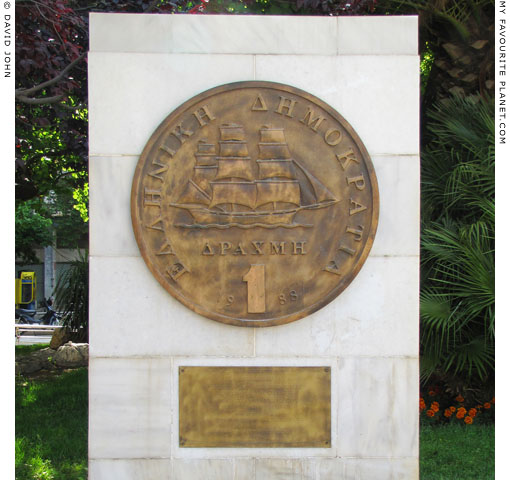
x: 25, y: 290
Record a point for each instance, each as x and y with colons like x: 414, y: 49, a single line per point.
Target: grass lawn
x: 51, y: 435
x: 26, y: 349
x: 51, y: 426
x: 457, y: 452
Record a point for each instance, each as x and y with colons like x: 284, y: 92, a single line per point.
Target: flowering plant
x: 437, y: 406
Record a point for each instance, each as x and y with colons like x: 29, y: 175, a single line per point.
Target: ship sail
x: 205, y: 154
x: 317, y: 193
x: 272, y: 135
x: 273, y: 150
x: 193, y: 195
x: 277, y: 180
x: 232, y: 131
x: 234, y: 167
x: 203, y: 175
x: 233, y: 160
x: 228, y: 188
x: 273, y: 191
x: 233, y: 149
x: 276, y: 168
x: 239, y: 193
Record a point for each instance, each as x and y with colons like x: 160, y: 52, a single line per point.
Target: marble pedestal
x: 141, y: 67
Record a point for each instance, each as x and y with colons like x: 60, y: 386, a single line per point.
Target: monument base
x: 364, y: 343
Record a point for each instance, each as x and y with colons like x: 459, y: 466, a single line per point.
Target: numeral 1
x: 255, y: 278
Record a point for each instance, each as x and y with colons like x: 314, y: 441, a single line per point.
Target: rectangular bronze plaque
x: 255, y: 407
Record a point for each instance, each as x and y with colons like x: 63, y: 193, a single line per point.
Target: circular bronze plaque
x: 254, y: 204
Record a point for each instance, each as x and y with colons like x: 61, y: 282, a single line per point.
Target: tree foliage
x: 51, y: 121
x: 51, y: 90
x: 32, y: 230
x: 458, y: 224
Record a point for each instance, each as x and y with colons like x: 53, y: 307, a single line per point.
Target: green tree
x: 32, y: 230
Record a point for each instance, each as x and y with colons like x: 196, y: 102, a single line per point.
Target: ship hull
x: 207, y: 217
x: 204, y: 217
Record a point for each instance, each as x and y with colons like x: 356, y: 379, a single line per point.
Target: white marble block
x: 141, y: 68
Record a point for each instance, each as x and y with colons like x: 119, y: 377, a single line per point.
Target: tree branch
x: 152, y: 6
x: 39, y: 101
x: 23, y: 92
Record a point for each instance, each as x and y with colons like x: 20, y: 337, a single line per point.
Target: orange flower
x: 447, y: 413
x: 459, y: 398
x: 431, y: 393
x: 460, y: 413
x: 430, y: 413
x: 493, y: 401
x: 452, y: 409
x: 468, y: 420
x: 472, y: 412
x: 486, y: 405
x: 423, y: 406
x: 435, y: 407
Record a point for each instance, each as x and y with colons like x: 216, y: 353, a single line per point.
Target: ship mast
x: 277, y: 180
x: 234, y: 167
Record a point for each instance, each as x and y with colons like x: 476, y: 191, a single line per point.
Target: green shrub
x: 457, y: 246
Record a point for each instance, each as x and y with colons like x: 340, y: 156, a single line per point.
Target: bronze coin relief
x: 254, y: 204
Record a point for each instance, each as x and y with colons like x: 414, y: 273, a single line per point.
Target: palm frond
x: 72, y: 296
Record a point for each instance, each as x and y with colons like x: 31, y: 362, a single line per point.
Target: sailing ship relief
x: 228, y: 189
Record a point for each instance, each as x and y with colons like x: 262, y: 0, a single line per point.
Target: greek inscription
x: 346, y: 158
x: 257, y: 246
x: 152, y: 198
x: 333, y: 137
x: 310, y: 121
x: 349, y: 251
x: 180, y: 133
x: 358, y: 233
x: 239, y: 250
x: 207, y: 249
x: 278, y: 248
x: 286, y: 104
x: 157, y: 174
x: 260, y: 104
x: 358, y: 182
x: 201, y: 114
x: 332, y: 267
x: 167, y: 150
x: 254, y: 248
x: 159, y: 223
x: 224, y: 247
x: 298, y: 248
x: 356, y: 207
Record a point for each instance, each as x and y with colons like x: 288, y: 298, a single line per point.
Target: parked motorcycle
x: 50, y: 317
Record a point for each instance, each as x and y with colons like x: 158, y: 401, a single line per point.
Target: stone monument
x: 254, y: 247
